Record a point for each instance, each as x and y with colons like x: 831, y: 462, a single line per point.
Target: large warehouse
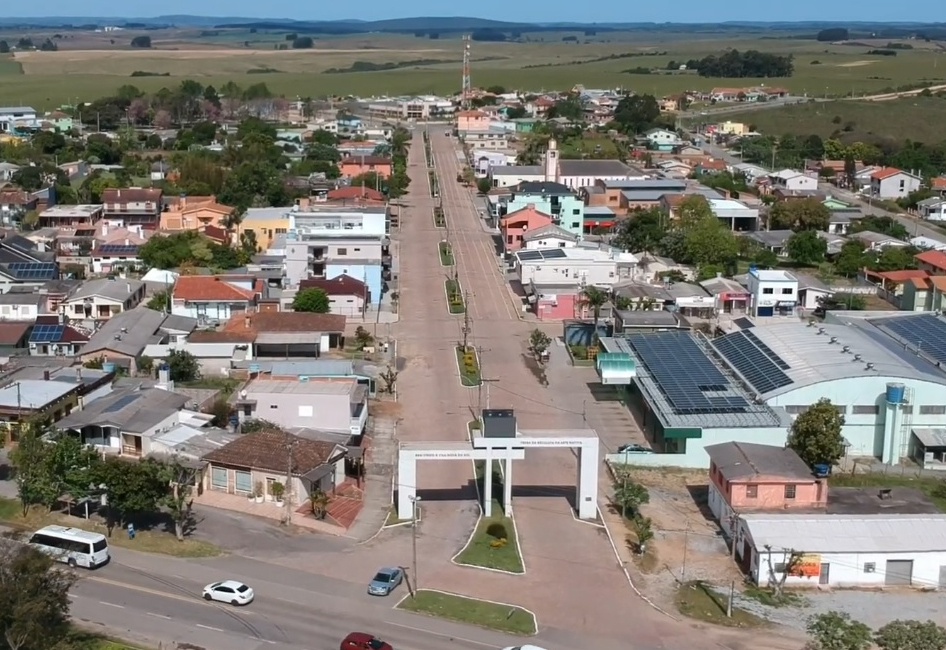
x: 884, y: 374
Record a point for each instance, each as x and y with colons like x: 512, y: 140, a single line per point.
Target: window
x: 280, y: 231
x: 341, y: 251
x: 768, y: 291
x: 865, y: 409
x: 244, y: 481
x: 796, y: 409
x: 218, y: 478
x: 870, y: 567
x: 932, y: 410
x: 841, y: 409
x: 789, y: 491
x: 576, y: 211
x: 274, y: 406
x: 752, y: 491
x: 786, y: 292
x: 357, y: 250
x: 902, y: 184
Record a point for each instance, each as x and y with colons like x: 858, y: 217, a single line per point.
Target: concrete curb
x: 535, y: 620
x: 456, y: 358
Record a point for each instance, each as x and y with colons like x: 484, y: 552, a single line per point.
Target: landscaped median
x: 494, y: 544
x: 469, y: 366
x: 440, y: 220
x: 434, y: 186
x: 484, y: 613
x: 455, y: 304
x: 446, y: 254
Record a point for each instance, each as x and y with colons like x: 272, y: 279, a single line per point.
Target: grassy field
x: 495, y: 616
x: 699, y: 601
x: 89, y: 66
x: 917, y: 118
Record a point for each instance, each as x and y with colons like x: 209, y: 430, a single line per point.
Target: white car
x: 229, y: 591
x: 524, y: 647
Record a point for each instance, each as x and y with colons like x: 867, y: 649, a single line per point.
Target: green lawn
x: 699, y: 601
x: 440, y: 220
x: 934, y: 488
x: 504, y: 618
x: 480, y: 551
x: 446, y: 254
x: 454, y: 293
x: 469, y: 375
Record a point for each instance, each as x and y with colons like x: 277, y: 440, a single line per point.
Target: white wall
x: 568, y: 271
x: 19, y: 312
x: 549, y: 242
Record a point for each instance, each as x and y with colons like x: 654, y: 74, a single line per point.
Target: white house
x: 102, y: 299
x: 571, y: 173
x: 213, y: 298
x: 893, y: 183
x: 662, y: 138
x: 13, y: 117
x: 793, y: 181
x: 564, y: 266
x: 17, y: 306
x: 933, y: 208
x: 550, y: 236
x: 774, y: 292
x: 839, y: 550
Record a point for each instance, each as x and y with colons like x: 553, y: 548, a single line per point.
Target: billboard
x: 808, y: 566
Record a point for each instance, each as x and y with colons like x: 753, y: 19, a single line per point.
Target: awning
x: 616, y: 368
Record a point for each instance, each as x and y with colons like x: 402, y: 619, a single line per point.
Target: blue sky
x: 524, y: 10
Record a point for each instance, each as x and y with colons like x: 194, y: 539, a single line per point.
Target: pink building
x: 550, y: 305
x: 515, y: 224
x: 748, y: 477
x: 472, y: 121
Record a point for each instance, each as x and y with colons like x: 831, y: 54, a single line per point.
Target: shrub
x: 497, y: 530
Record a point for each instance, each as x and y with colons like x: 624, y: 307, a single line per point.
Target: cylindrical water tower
x: 892, y: 434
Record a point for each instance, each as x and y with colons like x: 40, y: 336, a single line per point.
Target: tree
x: 302, y: 43
x: 70, y: 465
x: 708, y: 241
x: 34, y: 598
x: 815, y: 435
x: 141, y: 41
x: 389, y: 378
x: 837, y: 631
x: 642, y: 231
x: 539, y: 343
x: 4, y: 47
x: 629, y: 496
x: 363, y: 337
x: 806, y: 248
x: 31, y: 462
x: 312, y: 300
x: 570, y: 107
x: 852, y: 259
x: 799, y: 214
x: 132, y: 488
x: 183, y: 366
x: 594, y: 299
x: 180, y: 477
x: 911, y: 635
x: 644, y: 529
x: 636, y: 113
x: 776, y: 583
x: 484, y: 186
x: 159, y: 301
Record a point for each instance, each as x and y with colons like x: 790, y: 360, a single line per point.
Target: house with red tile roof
x: 290, y: 334
x: 347, y: 296
x: 133, y: 205
x: 514, y: 225
x: 938, y: 185
x: 893, y: 183
x: 932, y: 262
x: 213, y: 297
x: 355, y: 194
x: 358, y: 165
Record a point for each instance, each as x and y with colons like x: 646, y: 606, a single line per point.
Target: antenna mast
x: 466, y: 89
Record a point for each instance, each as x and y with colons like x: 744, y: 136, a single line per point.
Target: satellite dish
x: 243, y: 394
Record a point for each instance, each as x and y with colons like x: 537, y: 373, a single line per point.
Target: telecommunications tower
x: 466, y: 92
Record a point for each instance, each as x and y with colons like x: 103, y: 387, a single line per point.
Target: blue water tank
x: 822, y: 470
x: 895, y: 393
x: 108, y: 367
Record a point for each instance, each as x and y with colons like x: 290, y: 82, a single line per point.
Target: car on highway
x: 634, y: 449
x: 363, y: 641
x: 229, y: 591
x: 524, y: 647
x: 385, y: 581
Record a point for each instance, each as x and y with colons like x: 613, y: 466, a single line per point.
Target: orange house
x: 194, y: 213
x: 747, y: 477
x: 515, y: 224
x: 358, y: 165
x: 472, y: 121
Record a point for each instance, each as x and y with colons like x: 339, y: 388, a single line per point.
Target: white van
x: 73, y: 546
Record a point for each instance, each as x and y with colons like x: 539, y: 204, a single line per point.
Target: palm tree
x: 594, y: 298
x: 318, y: 501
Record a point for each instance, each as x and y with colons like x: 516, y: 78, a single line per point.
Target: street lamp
x: 624, y: 499
x: 414, y: 501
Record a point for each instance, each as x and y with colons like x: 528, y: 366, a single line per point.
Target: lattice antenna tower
x: 466, y: 88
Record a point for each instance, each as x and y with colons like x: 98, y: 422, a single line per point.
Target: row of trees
x: 734, y: 64
x: 55, y: 468
x: 838, y: 631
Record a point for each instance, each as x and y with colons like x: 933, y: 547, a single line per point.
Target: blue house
x: 565, y: 206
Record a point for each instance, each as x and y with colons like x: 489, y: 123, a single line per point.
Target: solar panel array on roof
x: 33, y: 270
x: 684, y: 374
x: 925, y: 332
x: 117, y: 249
x: 46, y: 333
x: 544, y: 254
x: 754, y: 360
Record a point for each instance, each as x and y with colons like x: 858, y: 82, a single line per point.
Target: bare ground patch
x: 855, y: 64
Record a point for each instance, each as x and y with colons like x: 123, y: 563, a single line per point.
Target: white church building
x: 571, y: 173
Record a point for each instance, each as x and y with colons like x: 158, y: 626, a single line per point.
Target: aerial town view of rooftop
x: 330, y: 327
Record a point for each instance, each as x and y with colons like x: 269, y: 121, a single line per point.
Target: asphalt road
x: 292, y: 609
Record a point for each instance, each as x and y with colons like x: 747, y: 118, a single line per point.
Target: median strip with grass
x: 440, y: 220
x: 455, y: 304
x: 495, y: 616
x: 434, y: 186
x: 446, y: 254
x: 493, y: 545
x: 147, y: 541
x: 469, y: 366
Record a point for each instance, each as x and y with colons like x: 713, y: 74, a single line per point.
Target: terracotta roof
x: 286, y: 321
x: 207, y: 336
x: 727, y: 91
x: 938, y: 281
x: 938, y: 183
x: 525, y: 214
x: 131, y: 195
x: 712, y: 164
x: 885, y: 172
x: 342, y: 285
x: 213, y: 206
x: 355, y: 192
x: 208, y: 287
x: 674, y: 200
x: 933, y: 258
x: 217, y: 234
x: 14, y: 197
x: 471, y: 114
x: 266, y: 450
x: 904, y: 275
x: 365, y: 160
x: 919, y: 283
x: 544, y: 101
x: 12, y: 333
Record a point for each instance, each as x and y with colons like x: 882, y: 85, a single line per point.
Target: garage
x: 844, y: 551
x: 899, y: 573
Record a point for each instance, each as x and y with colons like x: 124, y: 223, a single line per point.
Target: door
x: 899, y: 573
x: 766, y: 311
x: 824, y: 575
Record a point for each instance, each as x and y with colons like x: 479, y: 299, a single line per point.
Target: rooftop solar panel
x: 33, y: 270
x: 926, y: 332
x: 553, y: 254
x: 684, y: 374
x: 757, y: 367
x: 117, y: 249
x: 46, y: 333
x: 766, y: 350
x: 529, y: 256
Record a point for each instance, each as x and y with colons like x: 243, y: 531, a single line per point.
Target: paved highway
x: 158, y: 601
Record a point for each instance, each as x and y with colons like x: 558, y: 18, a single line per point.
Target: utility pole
x: 467, y: 327
x: 486, y: 382
x: 287, y: 491
x: 414, y: 501
x: 686, y: 540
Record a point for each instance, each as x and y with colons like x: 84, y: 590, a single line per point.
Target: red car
x: 363, y: 641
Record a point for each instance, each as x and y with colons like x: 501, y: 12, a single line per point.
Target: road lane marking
x: 159, y: 615
x: 207, y: 627
x: 164, y: 594
x: 253, y: 638
x: 442, y: 635
x: 102, y: 602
